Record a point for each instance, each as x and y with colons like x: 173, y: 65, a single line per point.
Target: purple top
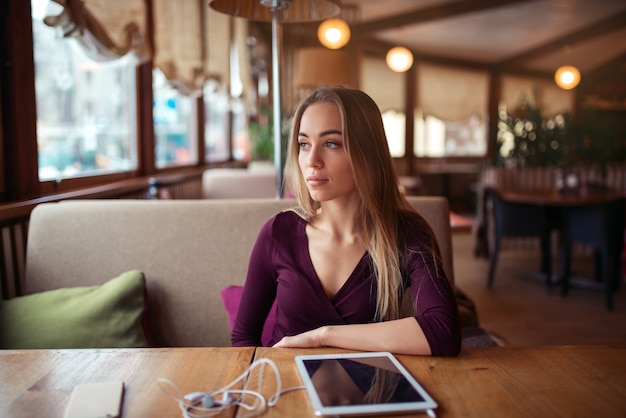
x: 280, y: 269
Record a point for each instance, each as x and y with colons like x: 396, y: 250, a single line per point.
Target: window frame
x: 19, y: 178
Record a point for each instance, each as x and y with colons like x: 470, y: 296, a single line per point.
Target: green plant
x: 261, y: 139
x: 528, y: 139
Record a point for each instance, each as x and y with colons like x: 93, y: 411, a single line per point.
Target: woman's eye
x: 332, y: 144
x: 303, y: 145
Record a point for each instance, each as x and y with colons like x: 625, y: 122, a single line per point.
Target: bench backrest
x: 188, y: 250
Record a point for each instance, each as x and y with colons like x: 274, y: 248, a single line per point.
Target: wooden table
x: 552, y: 198
x: 38, y: 383
x: 558, y: 207
x: 567, y: 381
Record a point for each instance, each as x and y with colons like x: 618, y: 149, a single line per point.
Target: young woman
x: 339, y: 264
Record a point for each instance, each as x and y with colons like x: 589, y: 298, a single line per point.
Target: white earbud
x: 207, y: 401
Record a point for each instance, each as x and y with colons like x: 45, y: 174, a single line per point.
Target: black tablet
x: 361, y: 384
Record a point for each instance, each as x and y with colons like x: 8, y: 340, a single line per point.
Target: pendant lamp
x: 278, y: 12
x: 399, y: 59
x: 333, y: 33
x: 567, y: 77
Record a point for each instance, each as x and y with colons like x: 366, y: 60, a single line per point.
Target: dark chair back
x: 511, y: 219
x: 601, y: 227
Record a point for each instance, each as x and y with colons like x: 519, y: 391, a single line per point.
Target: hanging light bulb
x: 399, y: 59
x: 333, y: 33
x: 567, y: 77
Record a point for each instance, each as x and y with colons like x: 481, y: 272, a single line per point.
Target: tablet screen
x: 361, y: 384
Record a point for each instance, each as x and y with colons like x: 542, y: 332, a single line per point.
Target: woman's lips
x: 316, y: 181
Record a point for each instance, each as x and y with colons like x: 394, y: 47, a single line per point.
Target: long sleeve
x: 433, y: 296
x: 258, y: 294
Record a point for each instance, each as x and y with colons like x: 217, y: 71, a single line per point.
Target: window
x: 173, y: 124
x: 438, y: 138
x: 216, y: 127
x: 395, y: 128
x: 86, y: 111
x: 390, y: 99
x: 451, y: 115
x: 241, y: 139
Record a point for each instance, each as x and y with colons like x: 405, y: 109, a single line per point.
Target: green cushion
x: 103, y: 316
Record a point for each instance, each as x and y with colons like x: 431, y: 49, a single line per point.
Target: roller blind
x: 386, y: 87
x: 106, y: 29
x: 217, y: 41
x: 544, y: 94
x: 451, y: 94
x: 193, y: 44
x: 178, y: 42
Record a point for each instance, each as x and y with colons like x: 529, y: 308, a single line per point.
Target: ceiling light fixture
x: 333, y: 33
x: 399, y: 59
x: 567, y: 77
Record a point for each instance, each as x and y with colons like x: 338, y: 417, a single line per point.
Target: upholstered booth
x: 180, y: 253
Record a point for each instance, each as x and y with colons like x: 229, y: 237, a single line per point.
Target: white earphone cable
x: 195, y: 404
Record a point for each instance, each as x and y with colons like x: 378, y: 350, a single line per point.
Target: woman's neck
x: 337, y: 218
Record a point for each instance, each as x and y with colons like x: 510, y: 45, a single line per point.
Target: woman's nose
x: 314, y: 159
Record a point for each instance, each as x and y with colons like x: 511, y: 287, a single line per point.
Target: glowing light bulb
x: 333, y: 33
x: 567, y: 77
x: 399, y: 59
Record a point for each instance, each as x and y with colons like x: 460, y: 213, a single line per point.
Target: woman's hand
x: 309, y: 339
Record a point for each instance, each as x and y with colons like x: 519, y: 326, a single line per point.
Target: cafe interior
x: 147, y: 138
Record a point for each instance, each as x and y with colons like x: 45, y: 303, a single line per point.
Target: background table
x: 592, y: 216
x: 553, y: 198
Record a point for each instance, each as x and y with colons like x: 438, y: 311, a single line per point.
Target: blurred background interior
x: 162, y: 99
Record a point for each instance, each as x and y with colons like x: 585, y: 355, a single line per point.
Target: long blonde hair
x: 381, y: 201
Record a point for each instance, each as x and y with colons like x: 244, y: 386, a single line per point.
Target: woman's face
x: 322, y: 155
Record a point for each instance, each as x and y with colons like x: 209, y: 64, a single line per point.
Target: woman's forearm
x: 401, y: 336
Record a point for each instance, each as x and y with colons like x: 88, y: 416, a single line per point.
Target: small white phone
x: 96, y: 400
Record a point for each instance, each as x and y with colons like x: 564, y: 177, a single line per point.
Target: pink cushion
x: 231, y: 296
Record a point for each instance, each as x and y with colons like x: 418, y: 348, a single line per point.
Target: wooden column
x: 19, y: 178
x: 410, y: 100
x: 495, y: 94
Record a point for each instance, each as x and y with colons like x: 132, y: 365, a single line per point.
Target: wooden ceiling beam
x: 599, y: 28
x: 379, y: 48
x: 428, y: 14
